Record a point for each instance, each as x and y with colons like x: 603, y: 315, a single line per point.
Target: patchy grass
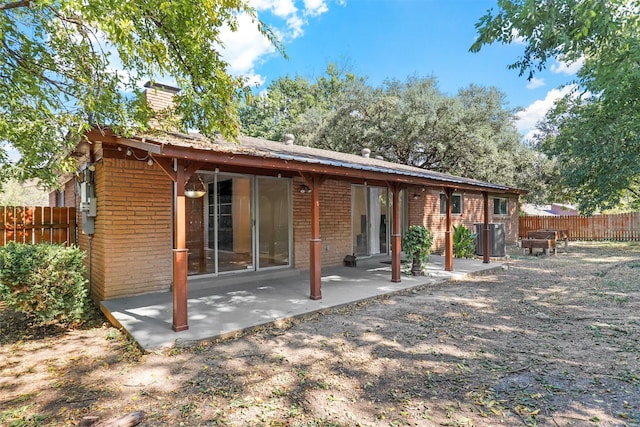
x: 550, y: 341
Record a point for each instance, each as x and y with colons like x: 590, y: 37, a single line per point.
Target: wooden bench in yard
x: 545, y: 244
x: 550, y: 234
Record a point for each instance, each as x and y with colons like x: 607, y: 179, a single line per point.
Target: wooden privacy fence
x: 37, y: 224
x: 597, y: 227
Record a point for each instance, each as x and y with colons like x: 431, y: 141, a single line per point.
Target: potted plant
x: 417, y: 244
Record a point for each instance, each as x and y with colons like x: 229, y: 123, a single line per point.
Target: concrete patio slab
x: 221, y: 306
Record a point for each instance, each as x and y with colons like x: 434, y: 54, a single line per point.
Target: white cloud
x: 295, y: 25
x: 516, y: 37
x: 527, y: 118
x: 570, y: 68
x: 535, y: 83
x: 279, y: 8
x: 293, y: 16
x: 246, y: 47
x: 315, y: 7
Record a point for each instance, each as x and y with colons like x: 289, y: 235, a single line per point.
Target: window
x: 456, y: 204
x: 60, y: 202
x: 499, y: 206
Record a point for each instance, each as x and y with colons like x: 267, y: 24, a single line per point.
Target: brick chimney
x: 160, y: 98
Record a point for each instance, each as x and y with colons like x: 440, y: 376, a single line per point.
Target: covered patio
x: 320, y: 187
x: 222, y: 307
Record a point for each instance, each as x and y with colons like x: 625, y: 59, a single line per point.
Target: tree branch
x: 14, y: 5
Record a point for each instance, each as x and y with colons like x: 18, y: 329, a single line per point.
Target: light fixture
x: 150, y: 161
x: 194, y: 188
x: 279, y: 175
x: 217, y: 169
x: 305, y: 189
x: 129, y: 152
x: 416, y: 196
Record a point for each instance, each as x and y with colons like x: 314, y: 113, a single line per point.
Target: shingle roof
x: 257, y: 147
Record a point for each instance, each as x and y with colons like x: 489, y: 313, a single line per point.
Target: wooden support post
x: 180, y: 254
x: 448, y: 235
x: 315, y: 244
x: 486, y: 251
x: 395, y: 235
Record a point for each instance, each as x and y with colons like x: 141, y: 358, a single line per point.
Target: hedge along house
x: 163, y: 207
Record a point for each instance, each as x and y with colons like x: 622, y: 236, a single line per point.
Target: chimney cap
x: 161, y: 86
x: 289, y: 138
x: 366, y: 152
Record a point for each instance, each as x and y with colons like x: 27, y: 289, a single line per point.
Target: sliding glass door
x: 242, y: 223
x: 234, y: 223
x: 273, y: 211
x: 370, y: 226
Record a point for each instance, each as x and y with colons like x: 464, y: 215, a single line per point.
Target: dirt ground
x: 548, y: 341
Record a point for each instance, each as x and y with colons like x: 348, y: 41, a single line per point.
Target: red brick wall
x: 335, y: 223
x: 131, y: 248
x: 425, y: 210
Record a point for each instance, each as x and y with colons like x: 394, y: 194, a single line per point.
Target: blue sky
x: 381, y: 39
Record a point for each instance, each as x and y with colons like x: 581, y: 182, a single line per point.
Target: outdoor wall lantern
x: 194, y: 188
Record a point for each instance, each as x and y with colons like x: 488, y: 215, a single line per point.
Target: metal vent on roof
x: 289, y: 138
x: 366, y: 152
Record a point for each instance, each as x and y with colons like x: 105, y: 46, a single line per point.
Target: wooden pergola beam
x: 396, y: 235
x: 315, y: 243
x: 180, y: 255
x: 166, y: 166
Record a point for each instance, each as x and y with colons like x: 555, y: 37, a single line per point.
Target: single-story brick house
x: 161, y: 207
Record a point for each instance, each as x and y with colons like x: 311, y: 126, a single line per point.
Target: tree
x: 410, y: 122
x: 594, y: 132
x: 69, y: 65
x: 28, y: 193
x: 471, y: 134
x: 271, y: 116
x: 294, y: 104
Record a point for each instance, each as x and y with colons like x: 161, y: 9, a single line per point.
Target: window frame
x: 443, y: 205
x: 498, y: 204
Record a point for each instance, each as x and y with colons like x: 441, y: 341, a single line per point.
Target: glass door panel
x: 234, y: 223
x: 195, y: 233
x: 273, y: 214
x: 370, y: 213
x: 378, y: 203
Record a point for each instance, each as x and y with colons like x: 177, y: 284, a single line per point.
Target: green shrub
x: 464, y: 242
x: 45, y: 281
x: 416, y: 244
